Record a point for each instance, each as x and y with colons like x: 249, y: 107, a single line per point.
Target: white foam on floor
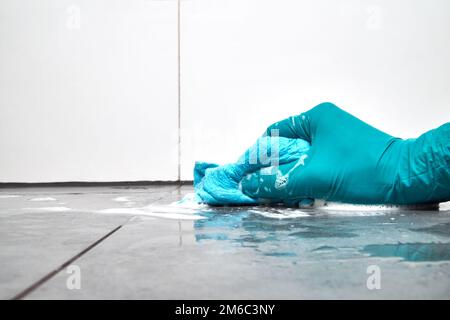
x: 189, y: 202
x: 357, y: 207
x: 157, y: 212
x: 288, y: 213
x: 120, y: 211
x: 49, y: 209
x: 170, y: 209
x: 189, y: 205
x: 353, y: 213
x: 281, y: 214
x: 43, y: 199
x: 365, y: 210
x: 444, y: 205
x: 121, y: 199
x: 185, y: 209
x: 8, y: 196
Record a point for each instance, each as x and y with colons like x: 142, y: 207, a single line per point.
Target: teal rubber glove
x: 220, y: 185
x: 353, y: 162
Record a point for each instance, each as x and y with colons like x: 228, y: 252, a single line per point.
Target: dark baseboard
x: 92, y: 184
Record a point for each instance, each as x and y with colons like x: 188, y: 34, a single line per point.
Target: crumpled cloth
x: 222, y: 184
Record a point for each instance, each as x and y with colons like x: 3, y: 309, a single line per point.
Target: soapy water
x: 164, y: 212
x: 121, y: 199
x: 49, y: 209
x: 413, y: 252
x: 185, y: 209
x: 320, y: 207
x: 43, y: 199
x: 323, y: 231
x: 330, y: 232
x: 188, y: 208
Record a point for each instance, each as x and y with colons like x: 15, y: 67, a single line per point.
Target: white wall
x: 248, y: 63
x: 88, y: 90
x: 97, y: 101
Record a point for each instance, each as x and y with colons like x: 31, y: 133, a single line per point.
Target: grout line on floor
x: 50, y: 275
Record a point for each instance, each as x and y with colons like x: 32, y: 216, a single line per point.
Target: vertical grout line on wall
x: 179, y: 85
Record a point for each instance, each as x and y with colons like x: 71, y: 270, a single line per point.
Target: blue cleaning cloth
x: 221, y: 185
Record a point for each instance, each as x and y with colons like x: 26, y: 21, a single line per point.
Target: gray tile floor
x: 232, y: 253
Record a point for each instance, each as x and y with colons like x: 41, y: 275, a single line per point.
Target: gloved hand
x: 353, y: 162
x: 220, y: 185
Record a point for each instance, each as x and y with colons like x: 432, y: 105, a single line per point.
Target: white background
x: 89, y: 89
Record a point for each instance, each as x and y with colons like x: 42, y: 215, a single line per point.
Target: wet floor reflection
x: 318, y: 236
x: 271, y: 237
x: 411, y: 251
x: 442, y: 229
